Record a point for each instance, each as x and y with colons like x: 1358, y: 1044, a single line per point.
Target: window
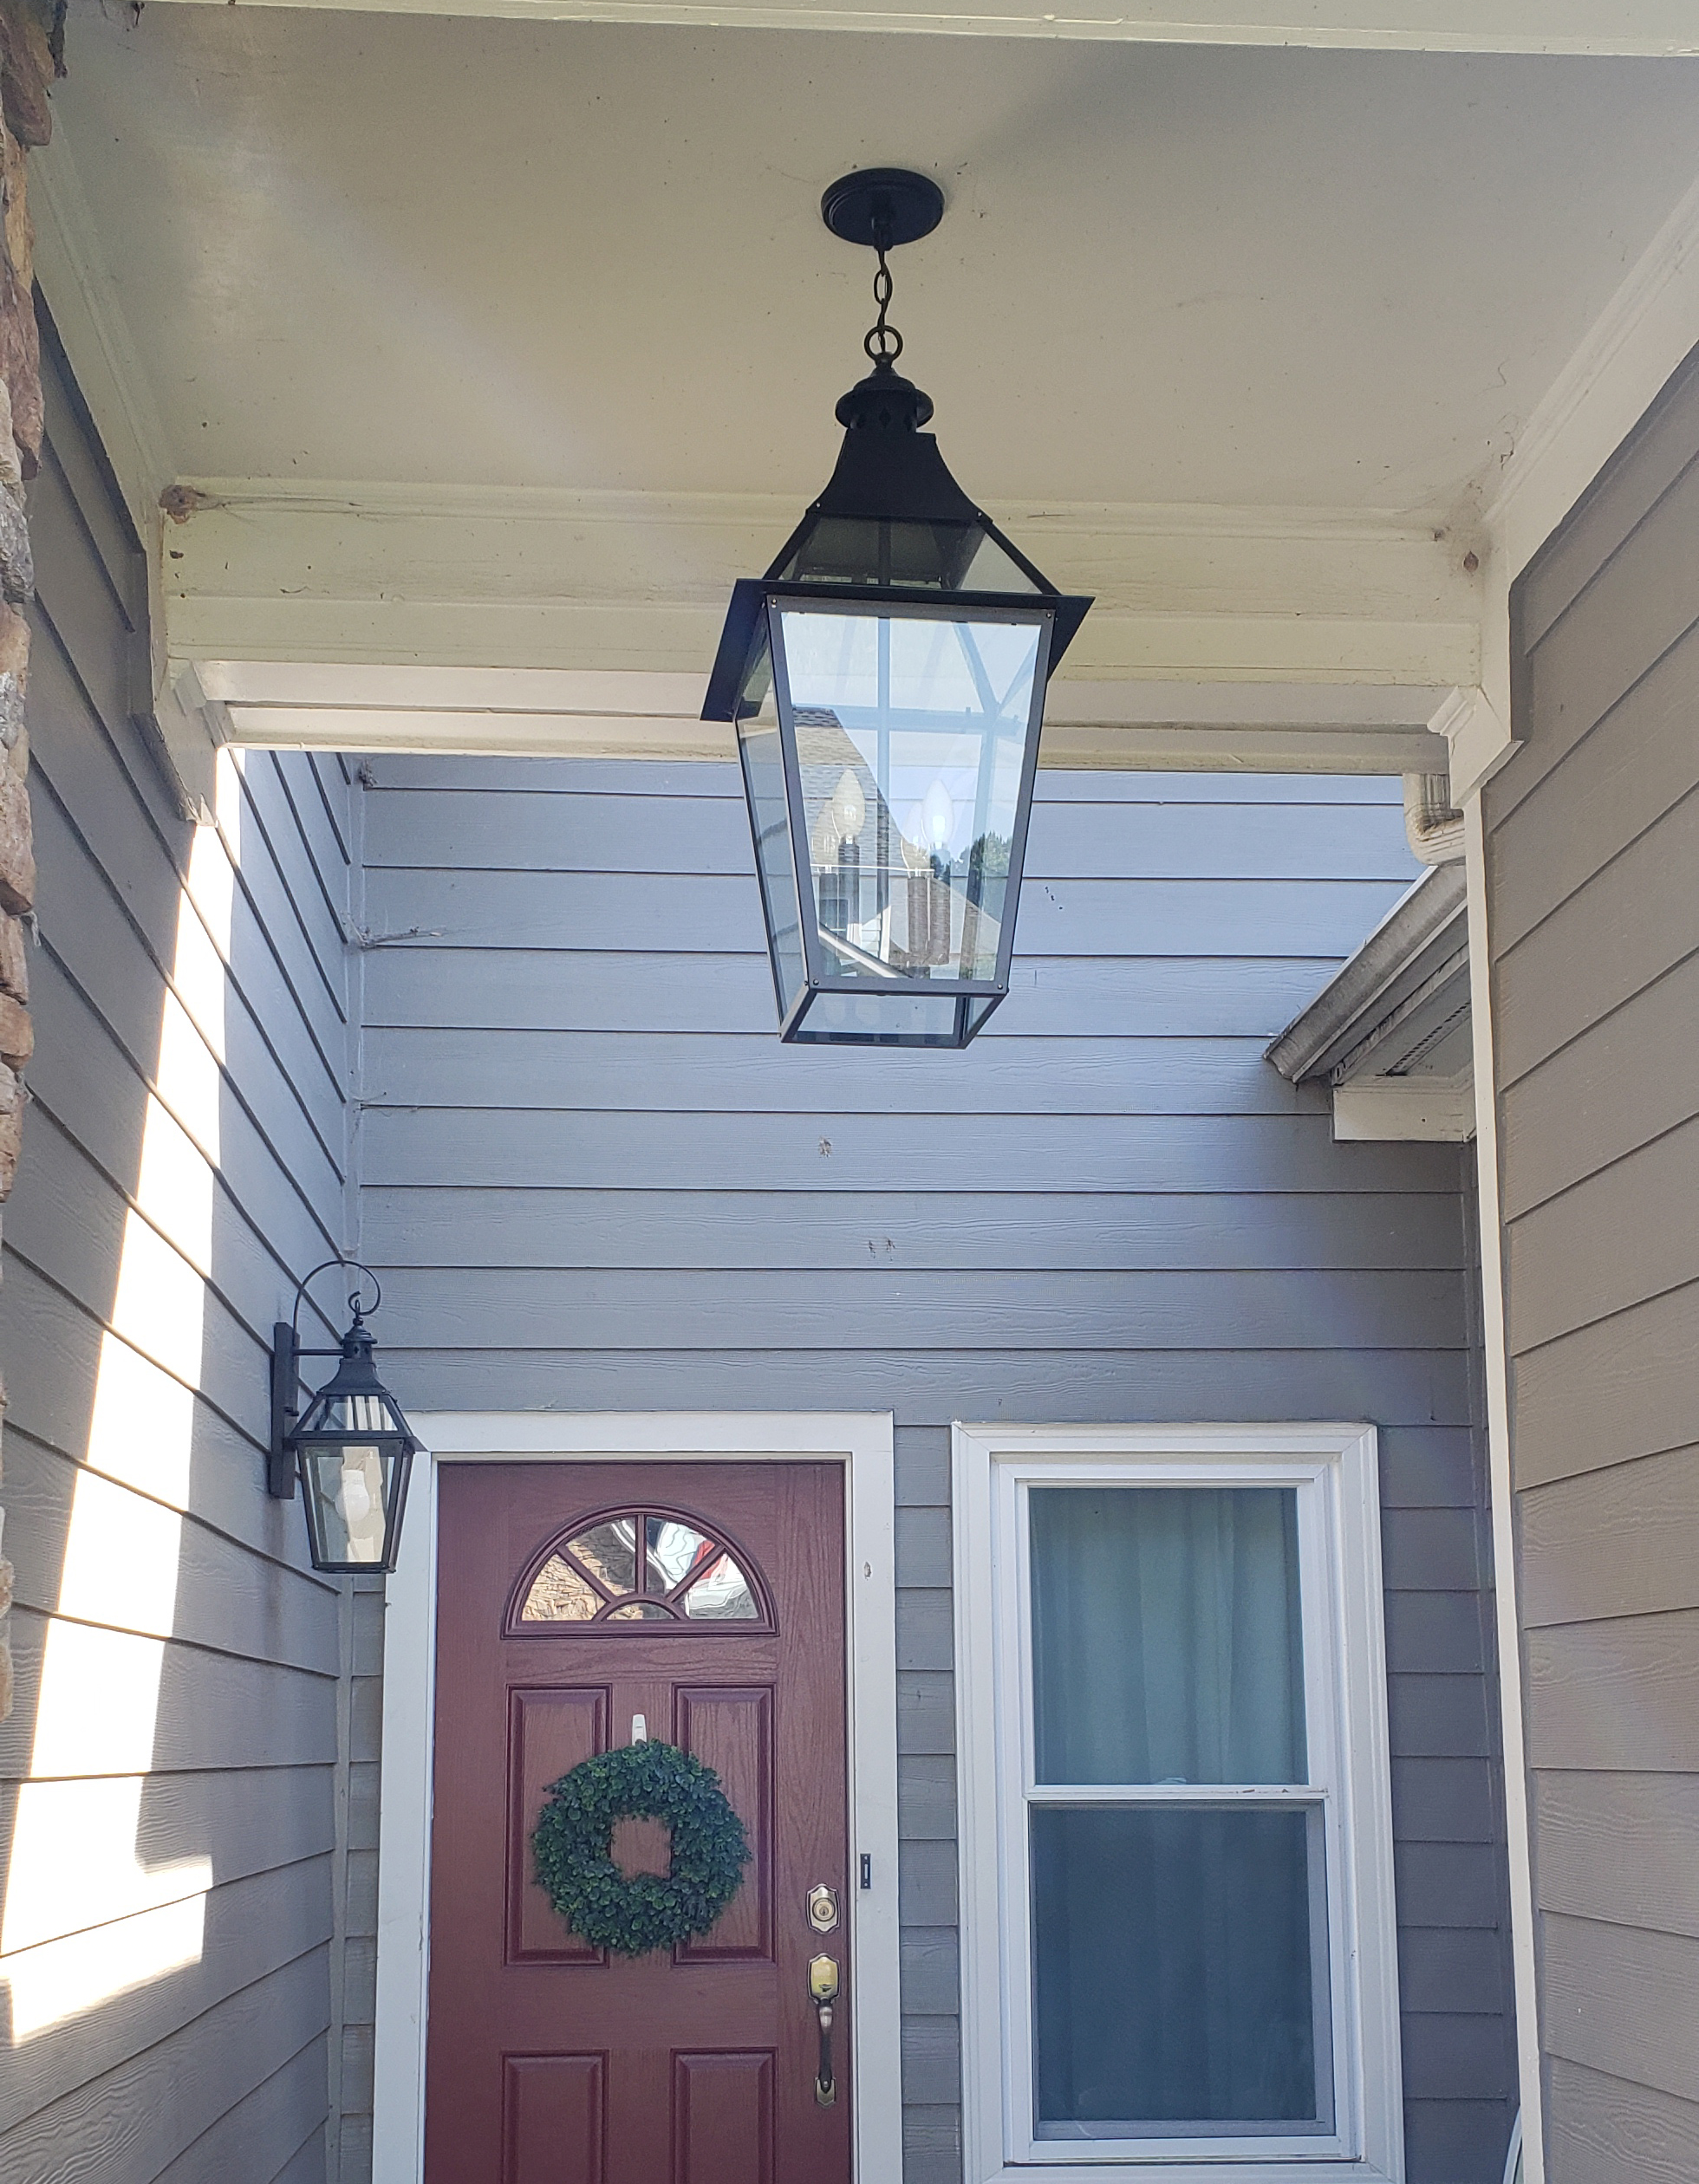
x: 636, y: 1566
x: 1178, y: 1930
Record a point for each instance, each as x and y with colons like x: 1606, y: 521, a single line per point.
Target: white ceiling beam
x: 361, y: 617
x: 576, y: 584
x: 1643, y: 27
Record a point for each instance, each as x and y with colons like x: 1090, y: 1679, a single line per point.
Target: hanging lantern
x: 352, y: 1446
x: 887, y: 678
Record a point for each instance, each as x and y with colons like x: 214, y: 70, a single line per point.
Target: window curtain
x: 1166, y: 1638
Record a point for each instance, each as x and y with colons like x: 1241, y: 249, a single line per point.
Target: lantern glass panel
x: 350, y: 1490
x: 763, y: 759
x: 352, y: 1412
x: 880, y: 551
x: 912, y: 734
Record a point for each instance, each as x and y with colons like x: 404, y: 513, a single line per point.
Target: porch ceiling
x: 506, y: 344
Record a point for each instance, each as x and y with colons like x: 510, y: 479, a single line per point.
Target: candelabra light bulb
x: 826, y: 837
x: 938, y: 816
x: 849, y: 806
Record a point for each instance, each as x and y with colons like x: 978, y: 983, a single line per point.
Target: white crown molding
x: 1478, y: 739
x: 1643, y: 333
x: 1654, y: 27
x: 71, y: 268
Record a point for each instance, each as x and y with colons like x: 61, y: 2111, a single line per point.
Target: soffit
x: 434, y: 251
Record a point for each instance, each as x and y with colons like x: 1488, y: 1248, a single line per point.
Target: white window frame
x: 863, y: 1442
x: 1336, y: 1469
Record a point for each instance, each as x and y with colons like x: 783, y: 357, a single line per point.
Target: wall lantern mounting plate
x: 887, y: 679
x: 352, y: 1448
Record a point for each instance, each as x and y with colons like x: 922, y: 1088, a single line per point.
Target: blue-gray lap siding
x: 225, y: 2060
x: 593, y: 1179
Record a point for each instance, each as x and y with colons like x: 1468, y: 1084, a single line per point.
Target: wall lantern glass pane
x: 887, y: 679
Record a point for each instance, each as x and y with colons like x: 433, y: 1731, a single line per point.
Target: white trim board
x: 1502, y: 1497
x: 1653, y: 28
x: 1337, y: 1463
x: 863, y: 1442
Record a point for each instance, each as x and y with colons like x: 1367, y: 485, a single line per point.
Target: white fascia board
x: 1645, y: 28
x: 1436, y: 1110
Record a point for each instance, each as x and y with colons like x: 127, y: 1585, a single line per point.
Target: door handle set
x: 823, y: 1993
x: 823, y: 1983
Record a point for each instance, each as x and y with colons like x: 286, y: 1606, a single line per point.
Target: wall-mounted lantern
x: 352, y: 1447
x: 887, y: 677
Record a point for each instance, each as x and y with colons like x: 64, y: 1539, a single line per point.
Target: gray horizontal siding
x: 161, y: 1038
x: 593, y: 1179
x: 1592, y: 849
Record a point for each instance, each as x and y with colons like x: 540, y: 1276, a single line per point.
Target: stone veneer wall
x: 31, y: 58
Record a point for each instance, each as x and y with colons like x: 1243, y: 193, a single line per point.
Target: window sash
x: 1316, y: 1478
x: 1233, y: 2135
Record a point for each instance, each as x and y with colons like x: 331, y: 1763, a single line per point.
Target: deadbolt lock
x: 822, y: 1907
x: 822, y: 1978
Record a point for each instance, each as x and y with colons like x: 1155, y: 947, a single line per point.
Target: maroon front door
x: 576, y: 1604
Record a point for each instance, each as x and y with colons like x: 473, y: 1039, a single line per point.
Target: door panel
x: 722, y: 2119
x: 548, y: 2062
x: 553, y: 2125
x: 551, y: 1733
x: 731, y: 1731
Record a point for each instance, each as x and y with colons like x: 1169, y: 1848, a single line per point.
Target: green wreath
x: 632, y: 1913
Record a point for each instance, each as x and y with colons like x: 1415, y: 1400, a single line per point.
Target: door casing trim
x: 863, y: 1442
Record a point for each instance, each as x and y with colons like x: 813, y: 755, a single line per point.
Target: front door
x: 580, y: 1605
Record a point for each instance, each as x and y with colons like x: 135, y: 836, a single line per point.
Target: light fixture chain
x: 882, y: 340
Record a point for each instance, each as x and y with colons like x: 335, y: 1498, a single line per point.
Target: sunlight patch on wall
x: 85, y: 1917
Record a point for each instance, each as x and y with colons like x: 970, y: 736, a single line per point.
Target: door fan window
x: 637, y: 1567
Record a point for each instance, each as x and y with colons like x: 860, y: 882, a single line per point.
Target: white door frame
x: 863, y: 1443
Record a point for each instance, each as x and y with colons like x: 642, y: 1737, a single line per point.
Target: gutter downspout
x: 1433, y: 824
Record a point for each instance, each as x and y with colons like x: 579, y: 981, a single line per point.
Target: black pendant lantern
x: 887, y: 677
x: 352, y: 1446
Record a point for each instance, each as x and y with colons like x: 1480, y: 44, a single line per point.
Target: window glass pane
x: 722, y: 1594
x: 1176, y: 1956
x: 560, y: 1594
x: 674, y: 1550
x: 610, y: 1553
x: 1166, y: 1641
